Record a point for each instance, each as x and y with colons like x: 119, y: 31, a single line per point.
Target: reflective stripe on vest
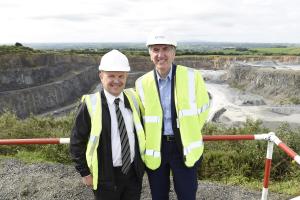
x: 139, y: 86
x: 131, y: 93
x: 151, y: 152
x: 183, y: 113
x: 139, y: 127
x: 93, y: 141
x: 191, y: 88
x: 93, y: 137
x: 93, y: 103
x: 193, y: 145
x: 151, y: 119
x: 131, y: 96
x: 192, y: 98
x: 93, y: 98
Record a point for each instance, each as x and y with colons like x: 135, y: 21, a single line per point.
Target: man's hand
x: 88, y: 180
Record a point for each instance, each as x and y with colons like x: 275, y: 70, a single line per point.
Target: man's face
x: 113, y: 82
x: 162, y: 56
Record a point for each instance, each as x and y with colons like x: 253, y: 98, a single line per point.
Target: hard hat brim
x: 150, y: 43
x: 116, y: 69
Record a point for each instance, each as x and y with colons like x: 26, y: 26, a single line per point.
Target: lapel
x: 126, y: 102
x: 106, y: 119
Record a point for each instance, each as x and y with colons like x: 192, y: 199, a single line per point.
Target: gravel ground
x: 57, y: 181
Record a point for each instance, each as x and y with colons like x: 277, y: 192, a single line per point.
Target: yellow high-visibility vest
x: 93, y: 103
x: 192, y: 107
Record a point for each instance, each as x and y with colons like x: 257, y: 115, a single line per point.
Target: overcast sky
x: 28, y: 21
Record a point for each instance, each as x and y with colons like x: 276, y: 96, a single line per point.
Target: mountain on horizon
x: 202, y: 45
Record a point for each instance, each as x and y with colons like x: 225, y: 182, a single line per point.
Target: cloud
x: 131, y: 20
x: 70, y: 17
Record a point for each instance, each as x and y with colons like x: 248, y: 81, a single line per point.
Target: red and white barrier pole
x: 235, y: 137
x: 35, y: 141
x: 285, y: 148
x: 227, y: 137
x: 268, y: 163
x: 67, y: 140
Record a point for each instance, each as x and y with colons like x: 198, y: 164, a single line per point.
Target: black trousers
x: 128, y: 187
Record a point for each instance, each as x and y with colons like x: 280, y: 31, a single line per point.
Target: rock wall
x: 224, y: 62
x: 39, y: 83
x: 50, y: 96
x: 277, y: 84
x: 211, y: 62
x: 25, y: 78
x: 21, y: 71
x: 138, y: 63
x: 15, y: 61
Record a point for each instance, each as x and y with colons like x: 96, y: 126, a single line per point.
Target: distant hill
x: 139, y: 49
x: 181, y: 45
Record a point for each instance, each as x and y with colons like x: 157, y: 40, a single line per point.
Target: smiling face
x: 113, y: 82
x: 162, y: 56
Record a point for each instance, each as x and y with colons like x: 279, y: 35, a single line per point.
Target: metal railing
x: 271, y: 138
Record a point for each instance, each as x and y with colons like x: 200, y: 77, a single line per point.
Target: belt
x: 169, y: 138
x: 118, y: 169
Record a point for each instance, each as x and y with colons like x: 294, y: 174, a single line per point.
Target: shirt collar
x: 169, y: 76
x: 111, y: 98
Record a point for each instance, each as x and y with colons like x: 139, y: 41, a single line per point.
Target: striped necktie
x: 125, y: 149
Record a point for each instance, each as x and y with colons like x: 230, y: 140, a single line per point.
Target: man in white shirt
x: 111, y: 138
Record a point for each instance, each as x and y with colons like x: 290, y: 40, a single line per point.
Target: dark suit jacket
x: 79, y: 139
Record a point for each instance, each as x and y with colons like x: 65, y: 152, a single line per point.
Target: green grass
x: 278, y: 51
x: 229, y: 162
x: 251, y: 51
x: 181, y: 52
x: 8, y: 49
x: 288, y: 187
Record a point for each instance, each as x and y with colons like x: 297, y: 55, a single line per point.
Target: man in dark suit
x: 107, y: 141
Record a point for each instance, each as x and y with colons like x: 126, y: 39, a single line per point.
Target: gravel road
x: 22, y: 181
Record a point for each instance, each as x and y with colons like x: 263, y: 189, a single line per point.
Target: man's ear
x: 100, y: 75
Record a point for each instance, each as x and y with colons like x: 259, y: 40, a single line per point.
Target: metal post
x: 268, y: 163
x: 285, y: 148
x: 227, y: 137
x: 34, y: 141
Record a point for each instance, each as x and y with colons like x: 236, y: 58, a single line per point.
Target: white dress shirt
x: 115, y: 135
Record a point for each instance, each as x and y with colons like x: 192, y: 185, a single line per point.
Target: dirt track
x: 56, y: 181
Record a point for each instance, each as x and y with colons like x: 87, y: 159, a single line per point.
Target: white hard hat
x: 160, y: 36
x: 114, y: 61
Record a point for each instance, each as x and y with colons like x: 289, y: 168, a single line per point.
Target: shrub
x: 246, y: 158
x: 36, y: 127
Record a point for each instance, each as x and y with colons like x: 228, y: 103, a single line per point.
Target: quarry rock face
x: 39, y: 83
x: 49, y: 96
x: 276, y: 84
